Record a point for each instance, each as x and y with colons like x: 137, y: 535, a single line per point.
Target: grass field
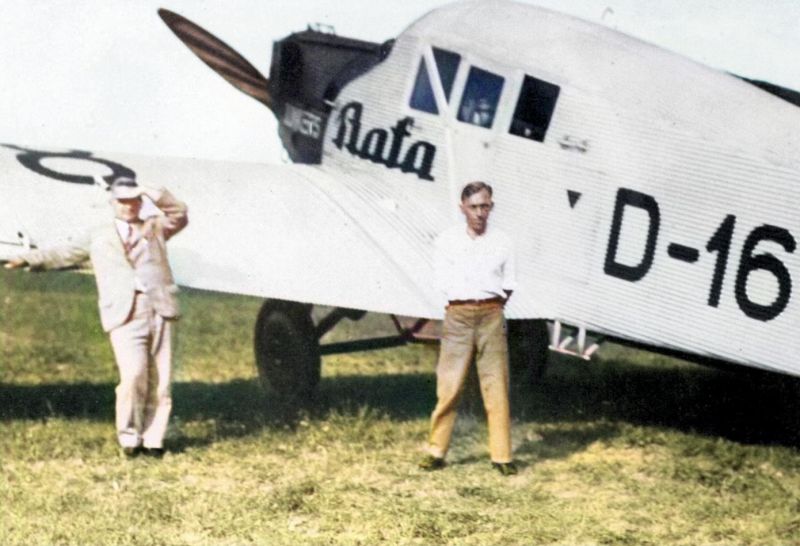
x: 629, y: 449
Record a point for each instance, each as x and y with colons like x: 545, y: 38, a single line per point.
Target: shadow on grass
x: 753, y: 408
x: 746, y: 406
x: 401, y: 396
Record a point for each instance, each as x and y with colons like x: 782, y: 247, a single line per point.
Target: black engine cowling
x: 308, y: 71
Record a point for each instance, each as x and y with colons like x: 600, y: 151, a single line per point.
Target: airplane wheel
x: 528, y: 352
x: 287, y: 350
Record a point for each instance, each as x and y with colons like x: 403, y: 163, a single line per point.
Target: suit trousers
x: 143, y: 350
x: 473, y: 330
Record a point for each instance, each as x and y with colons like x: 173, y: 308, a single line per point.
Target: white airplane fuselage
x: 650, y: 198
x: 659, y: 207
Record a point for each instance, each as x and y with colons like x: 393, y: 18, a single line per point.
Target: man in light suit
x: 138, y: 304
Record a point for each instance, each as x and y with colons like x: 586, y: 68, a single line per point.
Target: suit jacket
x: 116, y: 270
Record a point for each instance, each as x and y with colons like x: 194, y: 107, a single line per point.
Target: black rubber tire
x: 287, y: 350
x: 527, y: 351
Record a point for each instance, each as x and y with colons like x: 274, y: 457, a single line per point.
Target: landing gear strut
x: 288, y: 352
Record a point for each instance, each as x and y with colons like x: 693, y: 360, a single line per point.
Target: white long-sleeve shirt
x: 480, y: 268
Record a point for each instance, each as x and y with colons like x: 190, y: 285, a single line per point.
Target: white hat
x: 125, y: 188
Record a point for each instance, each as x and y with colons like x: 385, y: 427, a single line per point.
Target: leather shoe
x: 429, y: 462
x: 506, y: 469
x: 131, y: 452
x: 155, y: 452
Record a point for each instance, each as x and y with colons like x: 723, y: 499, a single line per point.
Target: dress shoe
x: 506, y: 469
x: 155, y: 452
x: 429, y: 462
x: 131, y: 452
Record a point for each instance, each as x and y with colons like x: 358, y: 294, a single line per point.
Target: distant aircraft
x: 653, y: 200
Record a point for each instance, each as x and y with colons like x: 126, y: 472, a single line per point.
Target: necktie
x: 128, y: 243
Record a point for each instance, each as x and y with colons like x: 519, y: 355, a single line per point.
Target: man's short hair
x: 474, y: 187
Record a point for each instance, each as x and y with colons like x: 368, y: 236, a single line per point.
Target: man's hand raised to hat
x: 153, y: 194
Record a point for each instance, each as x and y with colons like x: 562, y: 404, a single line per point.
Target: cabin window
x: 447, y: 62
x: 423, y: 98
x: 535, y: 106
x: 480, y: 98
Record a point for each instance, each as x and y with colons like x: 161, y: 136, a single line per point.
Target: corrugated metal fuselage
x: 651, y: 198
x: 659, y: 207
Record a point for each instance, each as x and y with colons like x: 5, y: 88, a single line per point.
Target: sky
x: 108, y: 74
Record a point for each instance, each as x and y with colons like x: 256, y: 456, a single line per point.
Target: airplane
x: 650, y: 197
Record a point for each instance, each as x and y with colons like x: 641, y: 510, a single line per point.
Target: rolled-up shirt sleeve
x: 510, y: 270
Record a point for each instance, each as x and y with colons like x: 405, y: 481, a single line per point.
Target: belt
x: 487, y: 301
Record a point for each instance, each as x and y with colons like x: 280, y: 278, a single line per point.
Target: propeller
x: 220, y: 57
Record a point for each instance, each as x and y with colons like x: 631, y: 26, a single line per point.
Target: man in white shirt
x: 137, y: 301
x: 474, y: 267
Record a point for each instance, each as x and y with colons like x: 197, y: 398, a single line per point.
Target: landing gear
x: 287, y: 350
x: 527, y: 350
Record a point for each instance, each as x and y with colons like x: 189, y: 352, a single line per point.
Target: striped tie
x: 128, y: 243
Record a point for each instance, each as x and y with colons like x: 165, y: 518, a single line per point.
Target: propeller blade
x: 219, y: 56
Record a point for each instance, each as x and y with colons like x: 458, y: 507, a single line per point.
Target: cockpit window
x: 535, y: 106
x: 447, y: 62
x: 422, y: 98
x: 480, y: 98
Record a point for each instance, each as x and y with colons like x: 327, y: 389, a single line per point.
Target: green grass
x: 629, y: 449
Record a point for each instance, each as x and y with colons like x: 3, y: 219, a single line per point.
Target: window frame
x: 498, y: 105
x: 520, y: 84
x: 443, y: 105
x: 513, y: 82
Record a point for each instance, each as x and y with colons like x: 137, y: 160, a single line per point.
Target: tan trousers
x: 473, y: 330
x: 143, y: 349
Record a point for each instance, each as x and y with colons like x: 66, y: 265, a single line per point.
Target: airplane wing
x: 281, y: 231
